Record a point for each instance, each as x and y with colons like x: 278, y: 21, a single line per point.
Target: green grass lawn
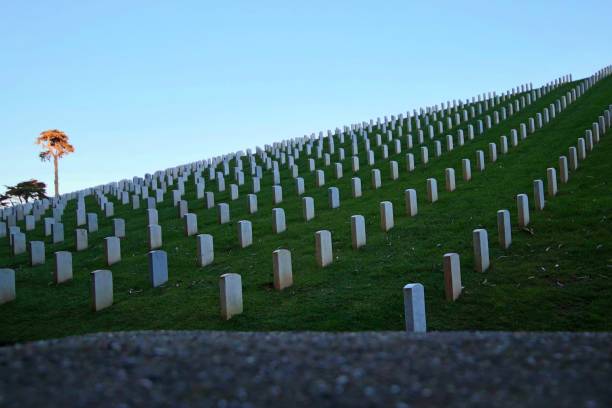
x: 556, y: 276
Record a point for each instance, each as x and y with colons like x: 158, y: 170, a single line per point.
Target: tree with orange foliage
x: 54, y: 144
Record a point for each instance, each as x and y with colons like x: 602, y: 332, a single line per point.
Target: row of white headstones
x: 38, y: 208
x: 112, y: 243
x: 282, y: 258
x: 56, y: 229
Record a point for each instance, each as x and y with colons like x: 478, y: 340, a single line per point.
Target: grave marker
x: 323, y: 246
x: 81, y: 239
x: 230, y: 287
x: 245, y: 233
x: 278, y: 220
x: 223, y: 213
x: 112, y: 247
x: 37, y: 253
x: 7, y: 286
x: 251, y: 203
x: 504, y: 229
x: 356, y: 187
x: 432, y: 190
x: 158, y: 268
x: 308, y: 208
x: 386, y: 216
x: 522, y: 206
x: 481, y: 250
x: 283, y: 273
x: 63, y: 267
x: 101, y: 289
x: 414, y: 308
x: 205, y: 249
x: 333, y: 197
x: 58, y: 232
x: 452, y: 276
x: 119, y: 227
x: 277, y: 195
x: 92, y: 222
x: 358, y: 231
x: 190, y: 223
x: 466, y: 168
x: 376, y: 182
x: 154, y: 232
x: 449, y: 175
x: 18, y: 243
x: 551, y: 178
x: 410, y: 198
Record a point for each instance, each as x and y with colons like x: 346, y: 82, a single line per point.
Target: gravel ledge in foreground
x: 391, y: 369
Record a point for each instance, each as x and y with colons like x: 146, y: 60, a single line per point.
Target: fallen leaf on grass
x: 529, y: 230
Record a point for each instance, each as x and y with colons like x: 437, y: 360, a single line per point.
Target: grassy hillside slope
x: 557, y: 276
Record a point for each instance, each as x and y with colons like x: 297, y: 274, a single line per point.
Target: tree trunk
x: 56, y: 176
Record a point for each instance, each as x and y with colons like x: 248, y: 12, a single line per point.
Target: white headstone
x: 112, y: 247
x: 209, y: 199
x: 7, y: 286
x: 319, y: 178
x: 504, y: 229
x: 245, y: 233
x: 58, y: 232
x: 452, y: 276
x: 323, y: 246
x: 205, y: 249
x: 466, y: 168
x: 299, y: 186
x: 333, y: 197
x: 158, y: 268
x: 551, y: 178
x: 278, y: 220
x: 251, y: 203
x: 119, y: 227
x: 18, y: 243
x: 432, y: 190
x: 414, y: 308
x: 386, y: 216
x: 223, y: 213
x: 393, y: 170
x: 81, y: 239
x: 481, y: 250
x: 155, y: 236
x: 358, y: 231
x: 538, y: 194
x: 230, y: 287
x: 563, y: 170
x: 449, y: 175
x: 63, y: 267
x: 92, y: 222
x: 410, y: 198
x: 37, y: 253
x: 480, y: 160
x: 190, y: 223
x: 283, y: 273
x: 308, y: 208
x: 356, y: 187
x: 376, y: 181
x: 409, y: 162
x: 101, y: 289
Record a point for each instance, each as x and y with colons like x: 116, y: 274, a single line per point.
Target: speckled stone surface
x: 390, y: 369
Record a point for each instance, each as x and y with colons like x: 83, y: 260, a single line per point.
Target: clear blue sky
x: 144, y: 85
